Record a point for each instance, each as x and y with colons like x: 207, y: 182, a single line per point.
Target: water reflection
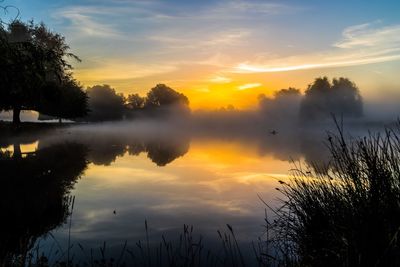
x: 161, y: 152
x: 34, y: 194
x: 105, y: 145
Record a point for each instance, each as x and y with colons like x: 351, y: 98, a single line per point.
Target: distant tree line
x: 320, y: 101
x: 105, y: 104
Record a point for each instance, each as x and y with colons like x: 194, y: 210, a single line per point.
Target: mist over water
x: 204, y: 170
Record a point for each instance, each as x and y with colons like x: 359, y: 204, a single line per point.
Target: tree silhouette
x: 322, y: 99
x: 282, y: 108
x: 64, y: 101
x: 135, y: 101
x: 346, y: 97
x: 31, y: 57
x: 162, y: 95
x: 104, y: 103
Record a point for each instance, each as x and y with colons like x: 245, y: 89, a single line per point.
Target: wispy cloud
x: 248, y: 86
x: 360, y: 44
x: 201, y: 39
x: 368, y: 35
x: 261, y: 7
x: 89, y: 21
x: 220, y: 79
x: 122, y: 70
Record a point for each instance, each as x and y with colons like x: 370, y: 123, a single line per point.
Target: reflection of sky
x: 215, y: 183
x: 216, y: 52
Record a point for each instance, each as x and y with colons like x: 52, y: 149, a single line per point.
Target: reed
x: 346, y: 213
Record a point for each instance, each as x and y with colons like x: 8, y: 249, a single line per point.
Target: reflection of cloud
x: 248, y: 86
x: 360, y: 45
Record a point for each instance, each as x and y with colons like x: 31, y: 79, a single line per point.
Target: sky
x: 227, y: 52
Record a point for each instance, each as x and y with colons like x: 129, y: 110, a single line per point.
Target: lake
x: 121, y: 175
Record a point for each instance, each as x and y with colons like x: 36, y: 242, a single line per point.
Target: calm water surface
x: 121, y: 177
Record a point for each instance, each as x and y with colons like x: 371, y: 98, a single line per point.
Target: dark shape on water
x: 273, y: 132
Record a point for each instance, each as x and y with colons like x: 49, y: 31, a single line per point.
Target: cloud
x: 220, y: 79
x: 88, y: 21
x: 121, y: 70
x: 367, y: 35
x: 246, y: 68
x: 201, y: 39
x: 248, y: 86
x: 268, y: 8
x: 360, y: 45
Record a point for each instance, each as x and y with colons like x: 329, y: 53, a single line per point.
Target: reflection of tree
x: 163, y: 153
x: 104, y: 149
x: 34, y: 195
x: 290, y: 145
x: 160, y: 152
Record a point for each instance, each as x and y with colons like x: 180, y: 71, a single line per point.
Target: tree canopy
x: 162, y: 95
x: 135, y: 101
x: 283, y: 107
x: 33, y: 60
x: 323, y: 98
x: 105, y: 104
x: 66, y: 100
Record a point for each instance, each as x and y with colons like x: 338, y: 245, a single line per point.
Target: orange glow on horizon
x: 208, y: 92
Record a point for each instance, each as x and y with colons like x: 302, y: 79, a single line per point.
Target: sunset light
x: 200, y: 133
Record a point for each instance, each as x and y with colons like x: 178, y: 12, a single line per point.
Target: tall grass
x: 347, y: 213
x: 188, y: 250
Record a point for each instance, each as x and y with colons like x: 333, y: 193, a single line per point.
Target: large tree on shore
x: 31, y: 59
x: 65, y: 100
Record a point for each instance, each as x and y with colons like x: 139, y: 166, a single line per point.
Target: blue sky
x: 230, y: 50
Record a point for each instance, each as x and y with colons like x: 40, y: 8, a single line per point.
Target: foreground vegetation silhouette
x: 348, y: 213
